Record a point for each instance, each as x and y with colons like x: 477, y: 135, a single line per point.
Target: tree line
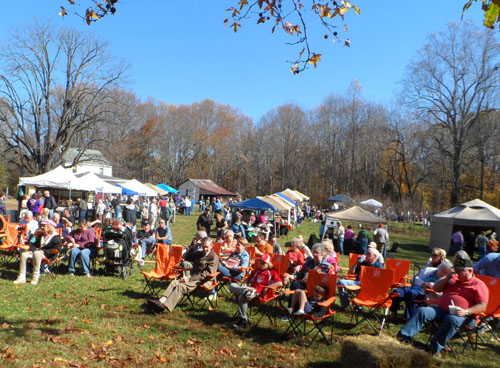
x: 435, y: 146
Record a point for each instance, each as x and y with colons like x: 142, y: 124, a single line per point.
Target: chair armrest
x: 353, y: 287
x: 328, y: 302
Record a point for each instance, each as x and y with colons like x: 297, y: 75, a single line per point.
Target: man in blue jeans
x: 463, y: 295
x: 82, y: 243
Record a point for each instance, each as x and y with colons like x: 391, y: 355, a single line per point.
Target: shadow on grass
x: 325, y: 364
x: 132, y: 294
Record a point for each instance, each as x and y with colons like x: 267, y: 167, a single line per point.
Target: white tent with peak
x: 473, y: 216
x: 59, y: 178
x: 140, y: 188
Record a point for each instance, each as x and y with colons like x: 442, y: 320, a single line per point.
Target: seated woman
x: 317, y: 262
x: 220, y: 225
x: 229, y: 242
x: 423, y: 280
x: 331, y: 256
x: 82, y: 242
x: 301, y: 304
x: 296, y: 257
x: 47, y: 244
x: 438, y: 256
x: 262, y: 247
x: 370, y: 260
x: 238, y: 259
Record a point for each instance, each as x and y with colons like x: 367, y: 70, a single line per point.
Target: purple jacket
x: 84, y: 239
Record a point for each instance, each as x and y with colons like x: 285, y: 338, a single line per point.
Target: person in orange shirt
x: 262, y: 247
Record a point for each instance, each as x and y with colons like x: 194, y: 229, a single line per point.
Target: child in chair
x: 302, y: 305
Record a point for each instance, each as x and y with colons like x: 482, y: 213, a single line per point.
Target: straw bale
x: 381, y: 352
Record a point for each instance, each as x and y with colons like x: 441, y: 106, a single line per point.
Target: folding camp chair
x: 353, y: 258
x: 375, y: 284
x: 401, y: 269
x: 268, y: 305
x: 14, y: 240
x: 299, y: 324
x: 217, y: 247
x: 251, y: 252
x: 204, y: 293
x: 47, y: 267
x: 489, y: 319
x: 167, y: 258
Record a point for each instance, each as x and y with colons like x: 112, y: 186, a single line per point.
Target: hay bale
x: 381, y: 352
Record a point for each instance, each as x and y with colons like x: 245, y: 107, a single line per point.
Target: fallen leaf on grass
x: 5, y: 325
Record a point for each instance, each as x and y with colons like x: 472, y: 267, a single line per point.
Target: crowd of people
x: 438, y: 286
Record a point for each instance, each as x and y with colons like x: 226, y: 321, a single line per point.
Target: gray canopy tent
x: 474, y: 215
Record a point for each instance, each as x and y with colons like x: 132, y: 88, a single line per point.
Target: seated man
x: 163, y: 233
x: 423, y: 280
x: 462, y: 291
x: 258, y: 284
x: 489, y: 265
x: 236, y: 260
x: 370, y: 260
x: 67, y: 222
x: 82, y: 242
x: 204, y: 264
x: 31, y: 225
x: 146, y: 239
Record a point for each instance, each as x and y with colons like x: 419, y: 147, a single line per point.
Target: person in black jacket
x: 130, y: 213
x: 205, y: 221
x: 47, y: 244
x: 49, y: 202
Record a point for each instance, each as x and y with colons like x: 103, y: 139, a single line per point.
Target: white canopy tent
x: 282, y: 205
x: 293, y: 195
x: 372, y: 203
x: 140, y: 188
x: 474, y: 215
x: 99, y: 186
x: 59, y: 178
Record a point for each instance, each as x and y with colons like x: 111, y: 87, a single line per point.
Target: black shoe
x: 155, y: 305
x: 404, y: 339
x: 242, y: 323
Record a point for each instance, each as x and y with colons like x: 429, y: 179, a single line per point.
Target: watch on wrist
x: 466, y: 312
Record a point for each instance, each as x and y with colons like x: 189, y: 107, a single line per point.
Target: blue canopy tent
x: 168, y: 188
x: 257, y: 204
x: 126, y: 191
x: 254, y: 204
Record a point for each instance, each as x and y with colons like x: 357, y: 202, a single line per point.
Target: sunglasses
x: 435, y: 255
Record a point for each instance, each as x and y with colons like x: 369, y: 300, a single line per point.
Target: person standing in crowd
x: 115, y: 205
x: 482, y: 244
x: 381, y: 238
x: 457, y: 240
x: 3, y: 204
x: 82, y: 205
x: 34, y: 205
x: 67, y: 222
x: 187, y: 205
x: 101, y: 211
x: 204, y: 221
x: 153, y: 213
x: 363, y: 240
x: 130, y: 214
x: 340, y: 237
x: 349, y: 240
x: 49, y: 202
x: 492, y: 244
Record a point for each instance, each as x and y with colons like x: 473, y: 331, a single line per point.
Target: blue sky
x: 180, y: 52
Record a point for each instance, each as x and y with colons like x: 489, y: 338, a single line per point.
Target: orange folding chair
x: 299, y: 324
x: 353, y: 257
x: 167, y: 258
x: 401, y: 268
x: 488, y: 320
x: 205, y: 292
x: 13, y: 241
x: 217, y: 247
x: 281, y: 263
x: 375, y: 284
x: 251, y: 252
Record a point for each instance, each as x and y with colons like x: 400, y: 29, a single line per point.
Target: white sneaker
x: 34, y: 281
x: 20, y: 280
x: 141, y: 263
x: 88, y: 275
x: 300, y: 312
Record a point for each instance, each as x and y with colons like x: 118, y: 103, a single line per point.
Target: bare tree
x: 55, y: 84
x: 448, y: 84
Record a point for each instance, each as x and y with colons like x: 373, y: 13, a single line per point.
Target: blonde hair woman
x: 47, y: 244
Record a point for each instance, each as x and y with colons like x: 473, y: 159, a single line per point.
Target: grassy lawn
x: 80, y: 322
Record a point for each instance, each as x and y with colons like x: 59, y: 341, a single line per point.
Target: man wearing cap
x: 205, y: 221
x: 489, y: 265
x: 205, y: 263
x: 237, y: 260
x: 381, y: 238
x: 463, y: 295
x: 259, y: 283
x: 146, y: 239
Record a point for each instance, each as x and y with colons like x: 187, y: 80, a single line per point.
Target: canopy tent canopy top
x: 140, y: 188
x: 158, y: 190
x: 98, y: 185
x: 167, y: 188
x: 357, y: 214
x: 286, y: 198
x: 126, y: 191
x: 341, y: 198
x: 372, y: 203
x: 254, y: 204
x: 59, y: 178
